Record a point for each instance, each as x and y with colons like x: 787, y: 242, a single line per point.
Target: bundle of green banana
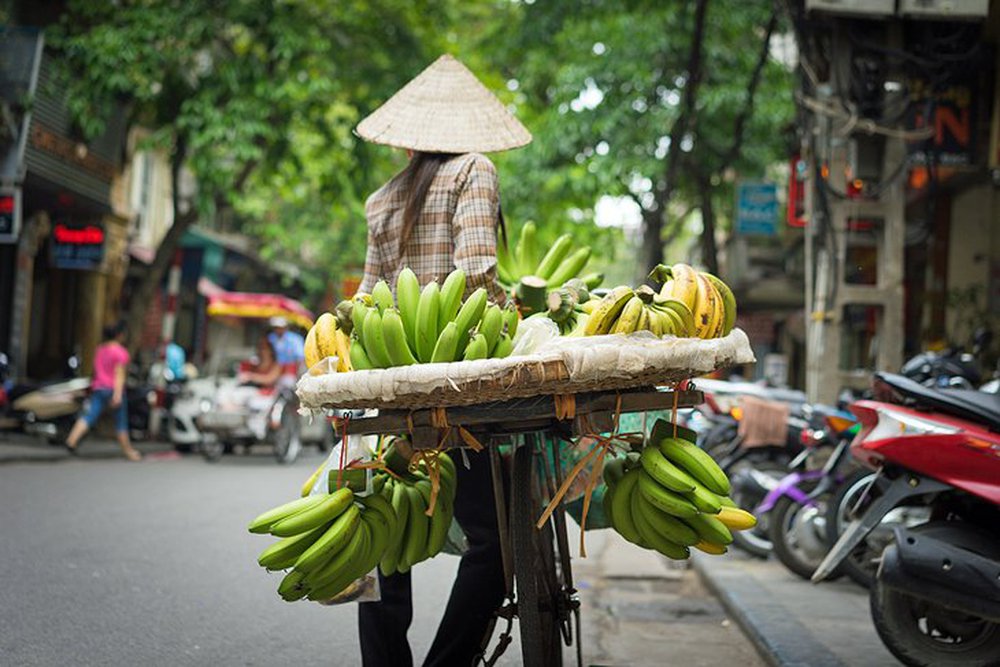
x: 705, y: 295
x: 672, y: 496
x: 429, y: 325
x: 557, y: 266
x: 418, y: 536
x: 329, y: 540
x: 568, y: 307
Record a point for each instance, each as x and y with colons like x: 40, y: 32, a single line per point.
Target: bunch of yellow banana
x: 670, y: 497
x: 706, y: 296
x: 329, y: 541
x: 428, y: 325
x: 559, y: 264
x: 419, y: 536
x: 327, y: 338
x: 625, y: 310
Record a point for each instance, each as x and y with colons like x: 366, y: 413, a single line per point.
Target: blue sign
x: 757, y: 208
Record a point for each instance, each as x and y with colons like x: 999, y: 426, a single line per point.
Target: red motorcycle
x: 936, y: 595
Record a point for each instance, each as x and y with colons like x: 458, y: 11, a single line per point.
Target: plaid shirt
x: 457, y: 228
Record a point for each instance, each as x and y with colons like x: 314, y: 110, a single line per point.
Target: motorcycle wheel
x: 922, y: 634
x: 860, y: 564
x: 755, y: 541
x: 287, y: 439
x: 798, y: 535
x: 211, y: 448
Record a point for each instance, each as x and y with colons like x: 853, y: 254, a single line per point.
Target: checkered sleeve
x: 475, y: 229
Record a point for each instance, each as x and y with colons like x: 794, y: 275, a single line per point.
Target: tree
x: 230, y: 85
x: 656, y: 101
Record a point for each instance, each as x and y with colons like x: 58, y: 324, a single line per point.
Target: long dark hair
x: 418, y: 176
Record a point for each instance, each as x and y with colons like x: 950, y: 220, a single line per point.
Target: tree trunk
x: 709, y: 251
x: 652, y: 241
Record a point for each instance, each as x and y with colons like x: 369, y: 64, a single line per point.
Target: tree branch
x: 739, y: 126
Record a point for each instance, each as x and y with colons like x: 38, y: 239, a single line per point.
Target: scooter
x: 49, y: 409
x: 936, y: 595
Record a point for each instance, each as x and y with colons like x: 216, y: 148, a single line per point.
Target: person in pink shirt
x: 107, y: 388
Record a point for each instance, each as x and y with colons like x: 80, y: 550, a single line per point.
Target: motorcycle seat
x: 974, y: 406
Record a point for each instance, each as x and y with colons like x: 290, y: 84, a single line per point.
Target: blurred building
x: 895, y: 184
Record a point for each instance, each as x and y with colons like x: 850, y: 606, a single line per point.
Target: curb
x: 782, y: 640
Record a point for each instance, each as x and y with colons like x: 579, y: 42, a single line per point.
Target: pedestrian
x: 289, y: 347
x: 107, y: 389
x: 440, y: 212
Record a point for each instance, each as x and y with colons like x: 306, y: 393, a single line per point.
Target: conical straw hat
x: 445, y: 109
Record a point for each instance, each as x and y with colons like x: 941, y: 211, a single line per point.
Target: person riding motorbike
x: 441, y: 212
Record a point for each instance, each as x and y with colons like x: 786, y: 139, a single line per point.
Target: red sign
x: 89, y: 235
x: 796, y: 212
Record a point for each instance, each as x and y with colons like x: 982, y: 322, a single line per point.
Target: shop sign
x: 756, y: 208
x: 77, y: 246
x: 953, y: 119
x: 10, y: 214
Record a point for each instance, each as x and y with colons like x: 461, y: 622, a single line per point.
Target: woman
x: 441, y: 212
x: 107, y: 388
x: 266, y: 371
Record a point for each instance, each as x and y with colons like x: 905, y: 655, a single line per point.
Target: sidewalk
x: 792, y: 621
x: 639, y: 608
x: 21, y: 448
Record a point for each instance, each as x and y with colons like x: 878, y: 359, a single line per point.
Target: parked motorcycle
x: 935, y: 599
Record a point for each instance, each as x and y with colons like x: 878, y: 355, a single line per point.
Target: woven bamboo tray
x: 651, y: 363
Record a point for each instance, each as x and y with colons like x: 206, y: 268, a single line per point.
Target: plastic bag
x: 533, y: 333
x: 358, y: 448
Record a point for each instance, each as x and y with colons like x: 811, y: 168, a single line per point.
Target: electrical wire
x: 863, y: 124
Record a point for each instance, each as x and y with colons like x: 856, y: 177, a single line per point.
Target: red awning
x: 254, y: 305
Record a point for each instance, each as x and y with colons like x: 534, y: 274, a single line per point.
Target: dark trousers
x: 477, y: 592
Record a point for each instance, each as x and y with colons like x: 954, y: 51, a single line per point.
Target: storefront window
x: 859, y: 340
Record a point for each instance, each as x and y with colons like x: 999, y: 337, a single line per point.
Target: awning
x: 257, y: 306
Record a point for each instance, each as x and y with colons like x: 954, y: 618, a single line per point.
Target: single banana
x: 570, y: 267
x: 593, y: 280
x: 326, y: 329
x: 401, y: 508
x: 476, y: 349
x: 507, y: 272
x: 379, y: 539
x: 684, y: 286
x: 374, y: 340
x: 440, y: 522
x: 283, y: 553
x: 415, y: 541
x: 526, y: 252
x: 310, y: 350
x: 332, y: 506
x: 263, y: 522
x: 343, y: 343
x: 291, y: 587
x: 710, y: 528
x: 719, y: 317
x: 706, y: 501
x: 395, y: 339
x: 664, y: 472
x: 311, y: 482
x: 329, y: 543
x: 652, y: 537
x: 607, y: 311
x: 427, y: 321
x: 447, y: 342
x: 707, y: 309
x: 359, y: 358
x: 697, y: 463
x: 711, y: 548
x: 735, y: 518
x: 503, y: 347
x: 554, y: 257
x: 491, y: 325
x: 621, y: 509
x: 408, y: 298
x: 382, y: 296
x: 672, y: 503
x: 469, y: 315
x: 452, y: 291
x: 511, y: 318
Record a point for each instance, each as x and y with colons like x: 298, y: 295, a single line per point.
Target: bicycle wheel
x: 535, y: 576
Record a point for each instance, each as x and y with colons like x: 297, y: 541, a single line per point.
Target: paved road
x: 112, y: 563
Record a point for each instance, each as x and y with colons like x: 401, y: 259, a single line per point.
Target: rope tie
x: 565, y: 405
x: 429, y: 457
